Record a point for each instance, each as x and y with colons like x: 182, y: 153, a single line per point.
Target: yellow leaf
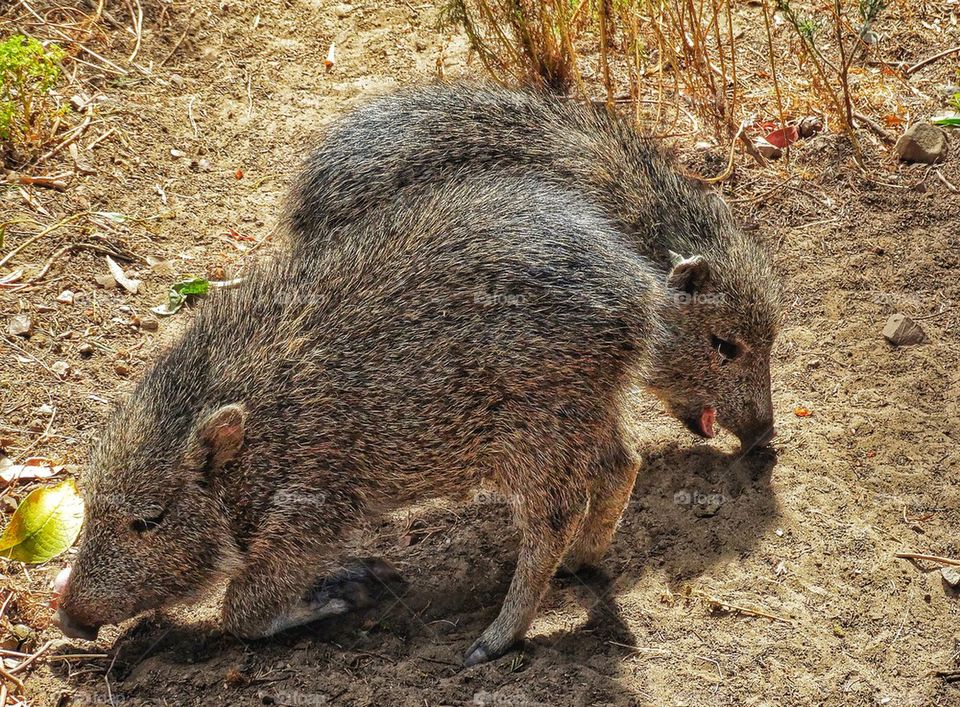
x: 45, y: 524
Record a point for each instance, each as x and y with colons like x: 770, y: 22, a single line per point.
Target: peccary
x: 486, y: 331
x: 407, y: 142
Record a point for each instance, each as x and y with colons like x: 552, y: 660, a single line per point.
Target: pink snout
x: 69, y: 625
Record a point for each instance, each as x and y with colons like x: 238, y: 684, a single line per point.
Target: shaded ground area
x: 806, y: 537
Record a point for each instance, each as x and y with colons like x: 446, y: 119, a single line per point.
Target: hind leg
x: 548, y: 520
x: 611, y: 483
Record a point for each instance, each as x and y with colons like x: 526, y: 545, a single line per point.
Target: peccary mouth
x: 703, y: 424
x: 74, y: 629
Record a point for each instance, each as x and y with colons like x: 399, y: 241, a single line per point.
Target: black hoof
x: 360, y: 584
x: 477, y: 654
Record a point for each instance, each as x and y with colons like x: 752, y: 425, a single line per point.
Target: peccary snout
x: 72, y: 628
x: 760, y: 436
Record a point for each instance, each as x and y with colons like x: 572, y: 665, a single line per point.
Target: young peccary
x: 402, y: 145
x: 486, y: 332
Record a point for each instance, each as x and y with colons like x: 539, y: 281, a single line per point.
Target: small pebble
x: 767, y: 149
x: 105, y: 281
x: 85, y: 349
x: 149, y: 324
x: 922, y: 142
x: 61, y: 368
x: 177, y: 154
x: 951, y: 575
x: 900, y: 330
x: 20, y: 325
x: 79, y: 101
x: 201, y: 165
x: 810, y: 126
x: 65, y: 297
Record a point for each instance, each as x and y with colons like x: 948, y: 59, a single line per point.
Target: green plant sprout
x: 28, y: 114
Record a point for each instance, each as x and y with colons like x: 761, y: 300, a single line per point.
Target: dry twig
x: 930, y: 558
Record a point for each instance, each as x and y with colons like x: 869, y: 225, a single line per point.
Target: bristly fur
x: 483, y: 333
x: 477, y: 276
x: 394, y: 148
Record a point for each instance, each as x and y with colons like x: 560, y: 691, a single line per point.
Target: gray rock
x: 900, y: 330
x: 951, y: 575
x: 922, y: 142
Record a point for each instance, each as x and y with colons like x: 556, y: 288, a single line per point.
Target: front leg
x: 270, y: 598
x: 279, y: 584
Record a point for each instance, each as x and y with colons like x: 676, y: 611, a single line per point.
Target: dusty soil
x: 805, y: 538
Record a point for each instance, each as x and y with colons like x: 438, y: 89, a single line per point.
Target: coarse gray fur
x: 391, y: 150
x: 485, y: 332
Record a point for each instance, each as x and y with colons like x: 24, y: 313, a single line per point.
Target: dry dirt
x: 806, y: 536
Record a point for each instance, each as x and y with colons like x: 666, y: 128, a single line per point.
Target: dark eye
x: 145, y: 525
x: 726, y: 350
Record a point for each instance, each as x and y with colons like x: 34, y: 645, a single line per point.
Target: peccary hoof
x: 359, y: 584
x: 482, y: 651
x: 478, y: 653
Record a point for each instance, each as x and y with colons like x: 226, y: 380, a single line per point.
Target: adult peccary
x: 485, y: 332
x: 410, y: 141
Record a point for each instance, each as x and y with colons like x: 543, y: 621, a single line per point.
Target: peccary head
x: 154, y: 533
x: 713, y: 366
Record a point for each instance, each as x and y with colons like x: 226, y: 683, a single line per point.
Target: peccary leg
x: 548, y: 524
x: 270, y: 598
x: 277, y: 587
x: 610, y: 488
x: 357, y: 585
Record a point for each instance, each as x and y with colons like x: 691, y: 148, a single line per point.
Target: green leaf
x: 947, y: 121
x: 179, y: 292
x: 194, y: 286
x: 45, y: 524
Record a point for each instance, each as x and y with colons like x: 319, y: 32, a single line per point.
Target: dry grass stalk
x: 688, y: 47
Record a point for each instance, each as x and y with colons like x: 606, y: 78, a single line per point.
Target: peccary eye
x: 145, y: 525
x: 726, y: 350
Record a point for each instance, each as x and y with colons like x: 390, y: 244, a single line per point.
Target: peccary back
x: 432, y: 134
x: 392, y: 150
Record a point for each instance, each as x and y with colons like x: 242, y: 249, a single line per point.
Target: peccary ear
x: 221, y: 432
x: 688, y: 274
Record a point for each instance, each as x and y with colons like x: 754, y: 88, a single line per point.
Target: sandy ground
x: 805, y: 536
